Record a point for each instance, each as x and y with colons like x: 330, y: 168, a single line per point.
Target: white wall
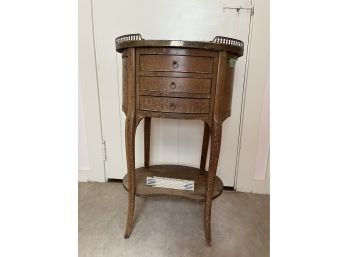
x: 263, y: 141
x: 83, y: 147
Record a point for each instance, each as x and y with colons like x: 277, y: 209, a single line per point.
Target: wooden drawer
x: 175, y: 85
x: 176, y: 105
x: 176, y: 63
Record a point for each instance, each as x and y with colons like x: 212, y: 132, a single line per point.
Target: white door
x: 172, y: 141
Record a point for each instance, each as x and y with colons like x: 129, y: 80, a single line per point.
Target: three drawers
x: 175, y: 83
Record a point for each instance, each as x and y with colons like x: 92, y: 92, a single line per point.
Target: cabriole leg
x: 213, y: 162
x: 206, y: 135
x: 130, y: 153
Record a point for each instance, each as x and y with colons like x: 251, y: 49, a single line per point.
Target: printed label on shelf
x: 173, y: 183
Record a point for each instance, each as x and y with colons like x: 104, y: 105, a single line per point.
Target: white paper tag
x: 173, y: 183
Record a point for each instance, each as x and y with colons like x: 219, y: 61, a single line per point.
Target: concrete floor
x: 166, y: 227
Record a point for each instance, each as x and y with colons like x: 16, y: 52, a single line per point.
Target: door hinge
x: 104, y: 150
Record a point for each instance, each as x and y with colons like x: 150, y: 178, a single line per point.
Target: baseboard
x: 260, y: 187
x: 90, y: 176
x: 84, y: 175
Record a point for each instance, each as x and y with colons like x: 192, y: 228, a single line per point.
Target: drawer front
x: 176, y: 105
x: 176, y: 63
x: 175, y: 85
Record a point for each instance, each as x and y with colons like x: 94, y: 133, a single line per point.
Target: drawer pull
x: 175, y: 64
x: 172, y: 106
x: 172, y: 85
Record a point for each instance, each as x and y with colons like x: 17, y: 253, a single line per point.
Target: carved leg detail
x: 147, y: 133
x: 213, y: 162
x: 205, y: 144
x: 130, y: 135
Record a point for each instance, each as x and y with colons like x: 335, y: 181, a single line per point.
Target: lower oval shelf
x: 173, y: 171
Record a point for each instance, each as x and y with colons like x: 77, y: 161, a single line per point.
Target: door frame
x: 88, y: 84
x: 251, y: 154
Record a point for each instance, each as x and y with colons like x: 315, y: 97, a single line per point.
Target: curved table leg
x: 205, y: 144
x: 147, y: 132
x: 213, y: 162
x: 130, y: 141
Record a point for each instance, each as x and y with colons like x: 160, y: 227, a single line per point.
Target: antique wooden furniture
x: 176, y: 80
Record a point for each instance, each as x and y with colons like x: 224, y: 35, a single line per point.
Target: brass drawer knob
x: 175, y: 64
x: 172, y: 106
x: 172, y: 85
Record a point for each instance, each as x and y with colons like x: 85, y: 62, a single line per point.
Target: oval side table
x: 176, y: 79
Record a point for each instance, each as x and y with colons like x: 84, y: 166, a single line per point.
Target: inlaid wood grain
x: 176, y: 63
x: 215, y: 137
x: 175, y: 85
x: 130, y: 138
x: 124, y: 81
x: 170, y: 104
